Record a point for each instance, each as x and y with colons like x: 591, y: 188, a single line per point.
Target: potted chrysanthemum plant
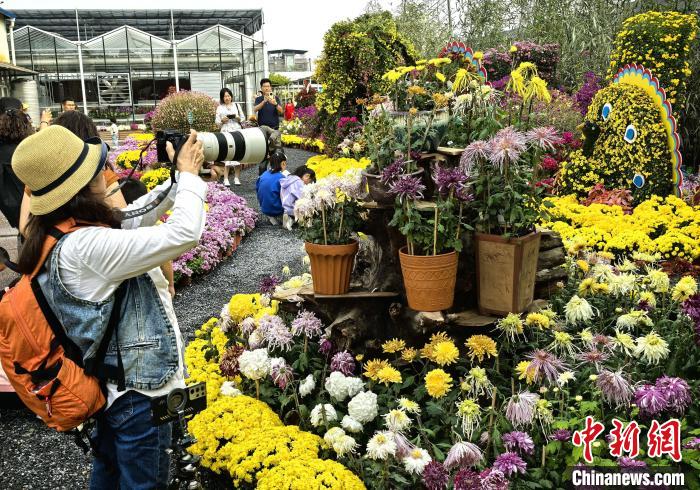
x: 506, y: 202
x: 433, y: 233
x: 328, y: 213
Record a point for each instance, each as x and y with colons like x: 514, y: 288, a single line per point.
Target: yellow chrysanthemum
x: 445, y: 352
x: 684, y: 289
x: 524, y: 372
x: 393, y: 345
x: 373, y: 367
x: 481, y: 346
x: 583, y: 265
x: 388, y: 375
x: 537, y: 320
x: 438, y: 383
x: 409, y: 355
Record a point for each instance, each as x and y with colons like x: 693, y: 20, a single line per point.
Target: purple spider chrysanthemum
x: 325, y: 347
x: 475, y: 152
x: 650, y: 400
x: 281, y: 373
x: 268, y: 284
x: 510, y: 464
x: 448, y: 179
x: 627, y: 462
x: 593, y: 356
x: 545, y: 365
x: 343, y: 363
x: 308, y: 324
x: 467, y: 479
x: 435, y: 476
x: 520, y: 442
x: 677, y: 391
x: 393, y: 171
x: 546, y: 138
x: 463, y: 454
x: 275, y: 332
x: 616, y: 390
x: 520, y: 410
x: 407, y: 187
x: 506, y: 147
x: 562, y: 435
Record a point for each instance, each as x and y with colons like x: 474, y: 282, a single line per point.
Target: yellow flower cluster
x: 241, y: 306
x: 324, y: 166
x: 310, y: 474
x: 661, y: 42
x: 154, y: 177
x: 142, y: 137
x: 665, y: 226
x: 202, y: 358
x: 309, y: 143
x: 616, y: 158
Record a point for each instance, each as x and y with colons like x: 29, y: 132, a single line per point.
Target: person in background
x: 288, y: 110
x: 132, y: 189
x: 68, y: 104
x: 268, y: 188
x: 82, y: 126
x: 291, y: 188
x: 14, y: 127
x: 268, y: 106
x: 228, y: 119
x: 25, y: 109
x: 114, y: 131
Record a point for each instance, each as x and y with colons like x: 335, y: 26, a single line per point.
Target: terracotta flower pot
x: 331, y: 266
x: 378, y: 191
x: 429, y: 280
x: 505, y: 272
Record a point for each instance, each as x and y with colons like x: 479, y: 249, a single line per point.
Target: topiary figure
x: 183, y: 111
x: 630, y: 140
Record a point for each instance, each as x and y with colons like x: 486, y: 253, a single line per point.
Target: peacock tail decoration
x: 459, y: 50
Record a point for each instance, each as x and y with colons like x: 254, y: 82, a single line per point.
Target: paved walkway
x: 35, y: 457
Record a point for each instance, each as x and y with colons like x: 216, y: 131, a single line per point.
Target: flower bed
x: 667, y: 228
x: 228, y: 219
x: 296, y: 141
x: 325, y: 166
x: 496, y: 409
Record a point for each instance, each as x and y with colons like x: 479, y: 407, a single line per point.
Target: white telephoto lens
x: 244, y: 145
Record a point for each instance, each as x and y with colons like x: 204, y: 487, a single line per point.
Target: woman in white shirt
x: 228, y: 119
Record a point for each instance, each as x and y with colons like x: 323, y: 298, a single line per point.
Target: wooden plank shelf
x: 447, y: 150
x: 470, y: 318
x: 358, y: 295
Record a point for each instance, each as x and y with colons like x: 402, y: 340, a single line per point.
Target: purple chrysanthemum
x: 343, y: 362
x: 545, y: 365
x: 475, y: 152
x: 562, y: 435
x: 692, y: 444
x: 677, y: 391
x: 493, y: 479
x: 248, y: 325
x: 275, y: 332
x: 325, y: 347
x: 650, y: 400
x: 520, y: 442
x: 229, y: 361
x: 594, y: 356
x: 407, y: 187
x: 616, y: 390
x: 545, y: 138
x: 393, y: 171
x: 506, y: 147
x: 435, y: 476
x: 627, y: 462
x: 308, y: 324
x: 520, y: 410
x: 691, y: 307
x: 282, y: 374
x: 269, y: 283
x: 510, y: 463
x: 448, y: 179
x: 462, y: 454
x: 467, y: 479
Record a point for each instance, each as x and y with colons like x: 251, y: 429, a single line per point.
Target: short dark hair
x: 113, y: 120
x: 264, y: 81
x: 67, y: 99
x: 223, y: 91
x: 132, y: 189
x: 304, y: 170
x: 77, y: 123
x: 14, y: 126
x: 276, y: 160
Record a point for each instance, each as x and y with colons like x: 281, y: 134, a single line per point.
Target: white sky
x: 293, y: 24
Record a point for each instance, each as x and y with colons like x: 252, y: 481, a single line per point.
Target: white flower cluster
x: 322, y: 414
x: 254, y: 364
x: 341, y: 443
x: 307, y: 386
x: 363, y: 407
x: 228, y: 388
x: 323, y: 194
x: 341, y: 387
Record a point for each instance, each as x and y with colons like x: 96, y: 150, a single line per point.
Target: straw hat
x: 55, y: 164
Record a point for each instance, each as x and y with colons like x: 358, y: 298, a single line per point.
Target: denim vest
x: 146, y: 338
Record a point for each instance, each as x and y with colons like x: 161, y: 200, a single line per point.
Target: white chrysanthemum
x: 602, y: 272
x: 397, y: 420
x: 381, y: 446
x: 256, y: 339
x: 652, y: 348
x: 254, y: 364
x: 409, y: 405
x: 229, y: 389
x: 307, y: 386
x: 322, y: 414
x: 626, y: 321
x: 658, y: 280
x: 351, y: 425
x: 341, y: 387
x: 363, y: 407
x: 578, y: 310
x: 354, y: 385
x: 625, y: 341
x: 333, y: 434
x: 344, y: 445
x: 416, y: 461
x: 565, y: 377
x: 621, y: 284
x: 225, y: 323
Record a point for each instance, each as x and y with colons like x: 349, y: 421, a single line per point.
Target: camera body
x: 181, y: 401
x: 247, y: 145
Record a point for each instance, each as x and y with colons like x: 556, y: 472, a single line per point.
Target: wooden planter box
x: 505, y: 272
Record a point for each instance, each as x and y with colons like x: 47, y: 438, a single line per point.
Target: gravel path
x: 35, y: 457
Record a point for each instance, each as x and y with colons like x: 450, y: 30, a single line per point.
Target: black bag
x: 11, y: 188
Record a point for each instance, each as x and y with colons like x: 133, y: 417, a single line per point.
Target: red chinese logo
x: 587, y: 437
x: 665, y: 439
x: 625, y: 440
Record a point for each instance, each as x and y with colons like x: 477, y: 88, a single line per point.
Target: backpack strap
x: 95, y: 366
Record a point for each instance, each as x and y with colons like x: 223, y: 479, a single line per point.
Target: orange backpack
x: 43, y: 365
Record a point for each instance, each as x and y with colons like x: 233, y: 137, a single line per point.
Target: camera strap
x: 133, y: 213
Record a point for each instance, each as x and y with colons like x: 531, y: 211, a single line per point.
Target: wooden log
x: 470, y: 318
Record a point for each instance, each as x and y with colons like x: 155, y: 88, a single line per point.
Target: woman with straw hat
x: 82, y: 274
